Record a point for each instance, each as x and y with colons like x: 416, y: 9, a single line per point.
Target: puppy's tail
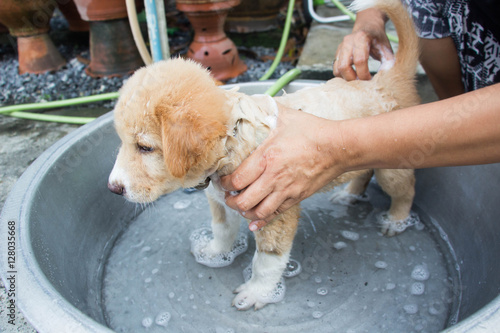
x: 407, y: 55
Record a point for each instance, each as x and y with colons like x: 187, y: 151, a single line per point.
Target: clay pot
x: 70, y: 12
x: 112, y: 48
x: 254, y: 16
x: 210, y: 46
x: 28, y: 20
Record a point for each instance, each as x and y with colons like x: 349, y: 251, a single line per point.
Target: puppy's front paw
x: 390, y: 227
x: 258, y: 295
x: 343, y: 197
x: 214, y: 253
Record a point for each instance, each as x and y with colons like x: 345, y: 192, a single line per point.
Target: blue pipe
x: 153, y: 30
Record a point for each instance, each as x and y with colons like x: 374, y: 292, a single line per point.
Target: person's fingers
x: 256, y: 225
x: 246, y: 173
x: 361, y: 54
x: 344, y: 65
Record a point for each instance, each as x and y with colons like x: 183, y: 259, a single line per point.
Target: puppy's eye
x: 144, y: 149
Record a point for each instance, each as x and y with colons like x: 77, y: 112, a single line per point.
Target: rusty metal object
x: 29, y: 20
x: 112, y: 49
x: 211, y: 47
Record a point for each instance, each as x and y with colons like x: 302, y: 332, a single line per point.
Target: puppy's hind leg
x: 353, y: 191
x: 400, y: 185
x: 274, y: 243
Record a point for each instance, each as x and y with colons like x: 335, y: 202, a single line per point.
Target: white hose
x: 136, y: 32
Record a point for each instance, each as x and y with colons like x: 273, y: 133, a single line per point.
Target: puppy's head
x: 171, y: 118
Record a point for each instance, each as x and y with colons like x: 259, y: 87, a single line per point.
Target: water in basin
x: 353, y: 278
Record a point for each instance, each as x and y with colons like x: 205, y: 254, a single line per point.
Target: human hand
x: 300, y: 156
x: 368, y: 38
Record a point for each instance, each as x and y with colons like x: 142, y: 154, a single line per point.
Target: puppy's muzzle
x: 116, y: 188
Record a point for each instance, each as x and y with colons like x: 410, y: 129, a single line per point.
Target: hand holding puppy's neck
x: 251, y: 120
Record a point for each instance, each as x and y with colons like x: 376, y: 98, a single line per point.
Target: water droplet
x: 322, y: 291
x: 317, y: 314
x: 381, y: 264
x: 147, y: 322
x: 339, y: 245
x: 411, y: 308
x: 390, y: 286
x: 182, y: 204
x: 350, y: 235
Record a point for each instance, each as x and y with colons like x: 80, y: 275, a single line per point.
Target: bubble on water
x: 191, y: 297
x: 201, y: 238
x: 411, y: 308
x: 381, y: 264
x: 317, y: 314
x: 146, y: 249
x: 275, y: 296
x: 311, y: 304
x: 293, y: 268
x: 317, y: 279
x: 392, y: 227
x: 162, y: 319
x: 390, y: 286
x: 247, y: 273
x: 154, y: 271
x: 436, y: 308
x: 148, y: 280
x: 350, y: 235
x: 182, y: 204
x: 339, y: 245
x: 171, y: 295
x: 322, y: 291
x: 412, y: 248
x: 147, y: 322
x: 417, y: 288
x: 200, y: 275
x: 420, y: 273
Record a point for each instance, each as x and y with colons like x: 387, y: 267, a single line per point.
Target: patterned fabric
x: 475, y: 29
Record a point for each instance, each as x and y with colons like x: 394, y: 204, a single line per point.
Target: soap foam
x: 200, y: 239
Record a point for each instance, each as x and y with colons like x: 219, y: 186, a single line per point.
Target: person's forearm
x: 462, y: 130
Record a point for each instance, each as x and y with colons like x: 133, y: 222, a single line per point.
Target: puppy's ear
x: 188, y: 136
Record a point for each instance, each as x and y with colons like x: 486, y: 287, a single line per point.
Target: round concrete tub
x: 66, y: 222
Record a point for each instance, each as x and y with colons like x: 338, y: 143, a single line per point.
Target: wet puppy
x: 179, y: 130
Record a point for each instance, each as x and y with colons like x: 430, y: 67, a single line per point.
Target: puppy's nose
x: 116, y: 188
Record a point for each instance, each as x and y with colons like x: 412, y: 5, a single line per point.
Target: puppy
x: 179, y: 130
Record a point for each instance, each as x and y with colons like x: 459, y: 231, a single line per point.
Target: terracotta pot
x: 254, y: 16
x: 112, y: 48
x: 211, y: 47
x: 70, y: 12
x: 28, y: 20
x: 103, y: 10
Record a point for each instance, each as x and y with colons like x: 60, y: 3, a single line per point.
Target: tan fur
x: 193, y: 129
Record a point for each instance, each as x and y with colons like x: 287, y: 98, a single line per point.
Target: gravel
x: 72, y: 81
